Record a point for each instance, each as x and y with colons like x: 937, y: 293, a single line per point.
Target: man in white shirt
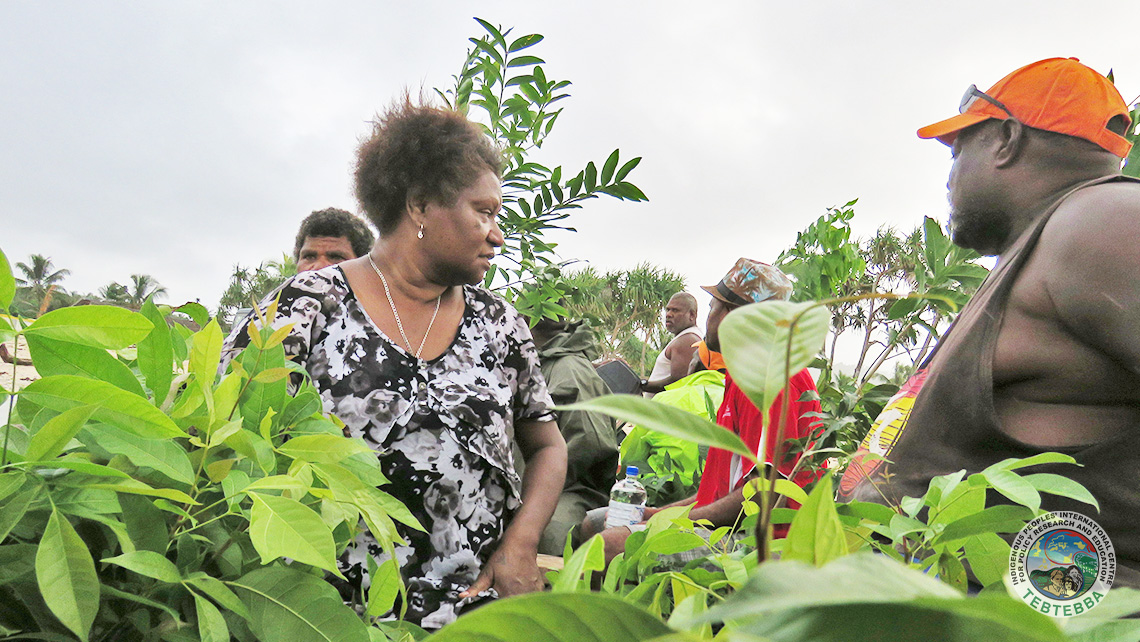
x: 673, y: 362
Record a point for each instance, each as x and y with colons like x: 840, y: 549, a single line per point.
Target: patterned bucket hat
x: 751, y: 281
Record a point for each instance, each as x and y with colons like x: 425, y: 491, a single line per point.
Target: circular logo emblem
x: 1062, y: 564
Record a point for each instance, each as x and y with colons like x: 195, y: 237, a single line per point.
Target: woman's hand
x: 512, y: 570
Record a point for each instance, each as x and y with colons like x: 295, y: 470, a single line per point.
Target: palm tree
x: 143, y: 287
x: 115, y: 293
x: 39, y: 283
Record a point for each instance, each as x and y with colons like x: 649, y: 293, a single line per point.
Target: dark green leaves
x: 555, y: 617
x: 291, y: 606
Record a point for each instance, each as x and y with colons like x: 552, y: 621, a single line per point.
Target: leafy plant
x: 516, y: 101
x: 145, y: 495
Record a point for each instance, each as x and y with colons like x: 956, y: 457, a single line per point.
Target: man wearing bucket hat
x: 1046, y: 357
x: 720, y: 495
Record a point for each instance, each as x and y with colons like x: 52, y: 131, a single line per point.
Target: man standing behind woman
x: 431, y: 370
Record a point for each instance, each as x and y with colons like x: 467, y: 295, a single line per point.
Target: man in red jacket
x: 720, y: 496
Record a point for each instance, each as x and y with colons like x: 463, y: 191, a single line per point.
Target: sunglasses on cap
x: 973, y: 94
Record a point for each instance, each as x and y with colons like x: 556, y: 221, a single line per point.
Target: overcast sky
x: 178, y: 138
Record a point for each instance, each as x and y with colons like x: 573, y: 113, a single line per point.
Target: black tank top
x: 943, y: 420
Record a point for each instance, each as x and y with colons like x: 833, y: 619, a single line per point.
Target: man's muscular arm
x: 680, y: 352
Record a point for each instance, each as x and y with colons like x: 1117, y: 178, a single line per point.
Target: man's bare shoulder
x: 1089, y: 210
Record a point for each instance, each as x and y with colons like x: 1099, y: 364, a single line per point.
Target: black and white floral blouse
x: 441, y: 428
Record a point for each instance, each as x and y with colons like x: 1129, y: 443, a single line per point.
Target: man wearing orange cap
x: 720, y: 496
x: 1046, y: 357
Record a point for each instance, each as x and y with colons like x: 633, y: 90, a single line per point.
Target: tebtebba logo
x: 1062, y: 564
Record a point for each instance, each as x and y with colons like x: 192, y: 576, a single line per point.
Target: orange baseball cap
x: 1057, y: 94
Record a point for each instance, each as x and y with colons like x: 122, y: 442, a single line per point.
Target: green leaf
x: 1014, y: 487
x: 591, y: 177
x: 988, y: 554
x: 16, y: 561
x: 8, y: 282
x: 287, y: 605
x: 220, y: 593
x: 163, y: 455
x: 524, y: 42
x: 79, y: 466
x: 1061, y: 486
x: 110, y: 592
x: 156, y: 354
x: 755, y: 342
x: 135, y: 487
x: 148, y: 563
x: 66, y: 576
x: 385, y: 586
x: 626, y: 169
x: 49, y: 441
x: 1003, y: 518
x: 555, y: 617
x: 15, y: 508
x: 282, y: 527
x: 53, y: 357
x: 839, y: 599
x: 609, y: 167
x: 211, y: 625
x: 196, y: 311
x: 115, y: 406
x: 10, y: 483
x: 665, y: 419
x: 1040, y: 458
x: 521, y: 61
x: 589, y: 557
x: 1113, y: 619
x: 816, y: 534
x: 99, y: 326
x: 323, y: 449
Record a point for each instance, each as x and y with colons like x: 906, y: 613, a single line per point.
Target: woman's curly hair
x: 419, y: 154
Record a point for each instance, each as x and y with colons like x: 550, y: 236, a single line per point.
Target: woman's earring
x: 421, y: 233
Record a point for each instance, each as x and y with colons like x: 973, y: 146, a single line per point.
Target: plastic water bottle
x: 627, y: 501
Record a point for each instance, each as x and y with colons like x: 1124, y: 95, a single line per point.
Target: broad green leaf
x: 1003, y: 518
x: 84, y: 501
x: 993, y: 618
x: 16, y: 561
x: 323, y: 449
x: 1040, y: 458
x: 163, y: 455
x: 54, y: 357
x: 196, y: 311
x: 589, y: 557
x: 10, y: 483
x: 287, y: 605
x: 385, y: 586
x: 785, y: 487
x: 8, y: 282
x: 148, y: 563
x: 13, y: 510
x: 78, y: 465
x: 1014, y: 487
x: 156, y: 354
x: 205, y: 356
x: 259, y: 398
x: 135, y: 487
x: 282, y: 527
x: 816, y: 534
x: 524, y: 42
x: 115, y: 406
x: 665, y: 419
x: 253, y: 447
x: 218, y: 591
x: 755, y: 340
x: 111, y: 592
x: 225, y: 432
x: 1113, y: 619
x: 1061, y: 486
x: 555, y: 617
x: 275, y: 482
x: 211, y: 625
x: 100, y: 326
x: 988, y: 555
x: 66, y: 576
x: 50, y: 440
x: 609, y: 167
x: 303, y: 405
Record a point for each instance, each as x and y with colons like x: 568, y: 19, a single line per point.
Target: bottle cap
x: 631, y: 471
